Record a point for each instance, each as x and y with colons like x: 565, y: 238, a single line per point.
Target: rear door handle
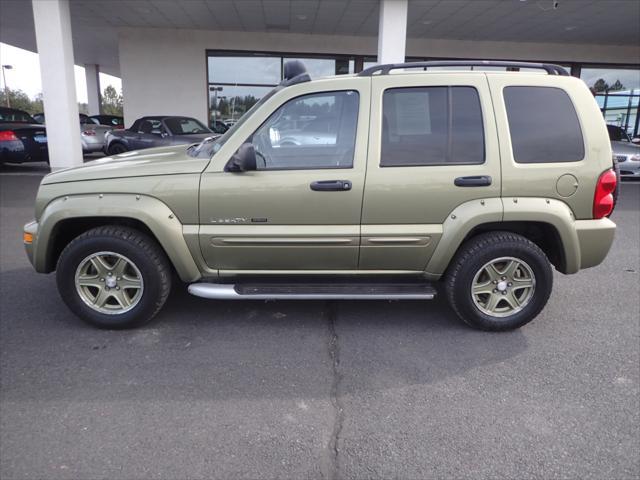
x: 473, y: 181
x: 331, y: 185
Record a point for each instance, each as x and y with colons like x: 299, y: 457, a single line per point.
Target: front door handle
x: 473, y: 181
x: 331, y: 185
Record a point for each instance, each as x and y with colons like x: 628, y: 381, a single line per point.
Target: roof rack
x: 550, y: 68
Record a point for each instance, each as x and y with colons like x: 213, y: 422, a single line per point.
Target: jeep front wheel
x: 113, y: 277
x: 499, y: 281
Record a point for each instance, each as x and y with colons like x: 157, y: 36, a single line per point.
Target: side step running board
x: 320, y: 291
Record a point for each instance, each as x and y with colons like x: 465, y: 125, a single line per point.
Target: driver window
x: 309, y: 132
x: 151, y: 126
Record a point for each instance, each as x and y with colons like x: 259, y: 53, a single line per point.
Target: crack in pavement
x: 331, y: 312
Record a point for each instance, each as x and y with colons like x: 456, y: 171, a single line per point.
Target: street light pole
x: 6, y: 89
x: 215, y: 91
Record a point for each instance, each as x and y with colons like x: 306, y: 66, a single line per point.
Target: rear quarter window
x: 543, y: 124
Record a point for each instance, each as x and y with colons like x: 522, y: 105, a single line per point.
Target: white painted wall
x: 164, y: 70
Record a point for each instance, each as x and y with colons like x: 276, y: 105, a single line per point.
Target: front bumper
x: 32, y: 229
x: 629, y: 168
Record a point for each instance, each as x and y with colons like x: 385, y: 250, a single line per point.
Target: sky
x: 25, y: 74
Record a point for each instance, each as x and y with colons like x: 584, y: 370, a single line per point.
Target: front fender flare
x: 153, y: 213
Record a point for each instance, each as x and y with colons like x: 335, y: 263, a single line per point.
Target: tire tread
x: 147, y: 245
x: 470, y: 250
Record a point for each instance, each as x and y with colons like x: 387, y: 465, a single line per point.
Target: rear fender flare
x: 469, y: 215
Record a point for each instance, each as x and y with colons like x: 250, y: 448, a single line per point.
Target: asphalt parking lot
x: 303, y: 390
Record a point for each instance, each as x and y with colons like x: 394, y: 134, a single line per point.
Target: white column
x: 92, y: 73
x: 52, y: 23
x: 392, y: 31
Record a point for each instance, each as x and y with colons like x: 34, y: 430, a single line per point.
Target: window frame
x: 249, y: 139
x: 575, y: 111
x: 439, y: 164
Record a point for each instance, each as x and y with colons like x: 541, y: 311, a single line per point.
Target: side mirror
x: 244, y: 160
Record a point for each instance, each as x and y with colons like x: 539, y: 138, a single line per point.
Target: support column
x: 392, y: 31
x: 92, y: 74
x: 52, y: 23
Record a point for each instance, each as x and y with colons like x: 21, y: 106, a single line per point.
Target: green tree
x: 19, y: 100
x: 600, y: 85
x: 617, y: 86
x: 111, y: 101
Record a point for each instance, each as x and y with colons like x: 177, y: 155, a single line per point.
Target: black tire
x: 478, y: 252
x: 116, y: 148
x: 140, y: 249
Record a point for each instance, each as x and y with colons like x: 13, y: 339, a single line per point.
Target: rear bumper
x: 16, y: 152
x: 595, y: 238
x: 92, y: 144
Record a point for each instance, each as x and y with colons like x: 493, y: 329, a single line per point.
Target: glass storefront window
x: 237, y: 82
x: 231, y: 102
x: 317, y: 67
x: 617, y: 91
x: 255, y: 70
x: 611, y: 79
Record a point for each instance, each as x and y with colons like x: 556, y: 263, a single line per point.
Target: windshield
x: 210, y: 146
x: 185, y: 126
x: 15, y: 116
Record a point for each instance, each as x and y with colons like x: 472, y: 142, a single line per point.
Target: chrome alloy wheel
x: 109, y: 283
x: 503, y: 286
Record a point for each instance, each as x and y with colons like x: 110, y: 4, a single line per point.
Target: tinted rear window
x: 431, y: 126
x: 543, y: 124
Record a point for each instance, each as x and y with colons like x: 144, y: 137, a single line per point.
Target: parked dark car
x: 114, y: 121
x: 157, y: 131
x: 22, y: 139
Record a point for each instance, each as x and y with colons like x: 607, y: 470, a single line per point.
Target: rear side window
x: 431, y: 126
x: 543, y: 124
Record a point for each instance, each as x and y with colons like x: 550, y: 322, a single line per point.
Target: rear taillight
x: 603, y: 198
x: 89, y: 132
x: 8, y: 136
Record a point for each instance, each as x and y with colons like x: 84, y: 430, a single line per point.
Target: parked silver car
x: 92, y: 135
x: 626, y: 153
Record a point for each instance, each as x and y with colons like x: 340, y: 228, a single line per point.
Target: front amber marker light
x: 27, y: 237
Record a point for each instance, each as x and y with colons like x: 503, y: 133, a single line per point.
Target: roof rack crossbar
x: 384, y: 69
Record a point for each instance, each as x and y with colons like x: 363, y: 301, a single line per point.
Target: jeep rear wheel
x: 114, y: 277
x: 499, y: 281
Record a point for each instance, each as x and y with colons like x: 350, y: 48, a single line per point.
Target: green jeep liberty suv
x: 378, y: 185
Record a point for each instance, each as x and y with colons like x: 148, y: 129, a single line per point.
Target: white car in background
x: 92, y: 134
x: 625, y: 151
